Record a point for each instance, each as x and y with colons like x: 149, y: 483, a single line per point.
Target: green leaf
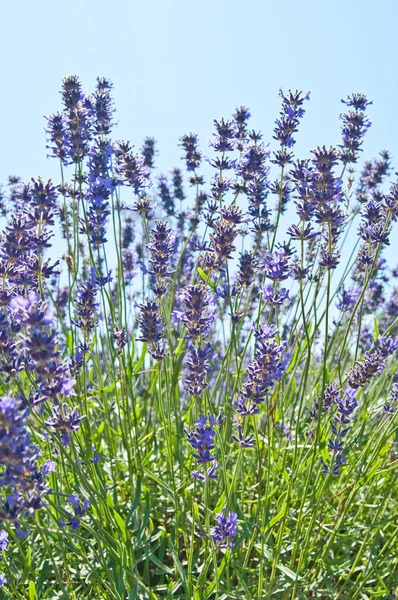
x: 172, y: 591
x: 281, y: 567
x: 69, y: 342
x: 28, y: 560
x: 206, y: 278
x: 179, y: 347
x: 375, y: 330
x: 141, y: 359
x: 293, y: 360
x: 288, y: 572
x: 195, y: 511
x: 164, y: 568
x: 121, y: 524
x: 32, y: 591
x: 108, y: 389
x: 279, y: 516
x: 137, y: 496
x: 178, y: 564
x: 385, y: 449
x: 220, y: 503
x: 159, y: 482
x: 213, y: 584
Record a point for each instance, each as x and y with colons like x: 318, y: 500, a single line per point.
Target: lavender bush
x: 198, y: 368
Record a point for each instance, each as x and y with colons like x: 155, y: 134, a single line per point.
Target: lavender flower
x: 202, y: 438
x: 326, y: 194
x: 274, y: 297
x: 39, y: 348
x: 120, y: 337
x: 276, y: 265
x: 287, y: 124
x: 193, y: 156
x: 98, y: 212
x: 282, y: 190
x: 209, y: 474
x: 219, y: 186
x: 355, y: 125
x: 86, y: 305
x: 150, y: 322
x: 341, y: 406
x: 79, y: 509
x: 372, y: 175
x: 233, y: 214
x: 248, y: 266
x: 165, y: 195
x: 222, y: 244
x: 131, y: 167
x: 162, y: 245
x: 3, y: 542
x: 197, y: 366
x: 325, y: 187
x: 389, y: 203
x: 252, y: 161
x: 103, y: 107
x: 269, y: 364
x: 148, y: 152
x: 178, y: 190
x: 78, y: 119
x: 56, y: 137
x: 244, y: 442
x: 195, y: 299
x: 224, y: 533
x: 144, y: 206
x: 372, y: 363
x: 331, y: 396
x: 19, y: 458
x: 335, y: 467
x: 71, y: 91
x: 224, y: 138
x: 77, y: 360
x: 390, y: 407
x: 65, y: 419
x: 241, y: 116
x: 346, y: 299
x: 152, y: 328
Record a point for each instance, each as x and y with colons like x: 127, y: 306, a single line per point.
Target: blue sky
x: 178, y: 64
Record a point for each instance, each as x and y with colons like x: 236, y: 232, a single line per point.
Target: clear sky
x: 178, y: 64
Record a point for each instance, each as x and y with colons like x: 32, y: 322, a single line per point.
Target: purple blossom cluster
x: 287, y: 124
x: 225, y: 531
x: 38, y: 349
x: 152, y: 328
x: 22, y: 477
x: 195, y: 301
x: 80, y: 507
x: 201, y: 438
x: 83, y: 117
x: 373, y: 362
x: 355, y: 124
x: 341, y: 407
x: 269, y: 364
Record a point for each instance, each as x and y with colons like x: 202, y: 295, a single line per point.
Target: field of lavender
x: 199, y: 391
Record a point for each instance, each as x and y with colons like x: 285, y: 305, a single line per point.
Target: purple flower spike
x: 202, y: 437
x: 224, y: 533
x: 3, y: 542
x: 244, y: 442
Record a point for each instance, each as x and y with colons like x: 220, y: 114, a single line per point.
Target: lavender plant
x: 198, y: 380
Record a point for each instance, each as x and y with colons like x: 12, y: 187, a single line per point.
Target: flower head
x: 224, y: 533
